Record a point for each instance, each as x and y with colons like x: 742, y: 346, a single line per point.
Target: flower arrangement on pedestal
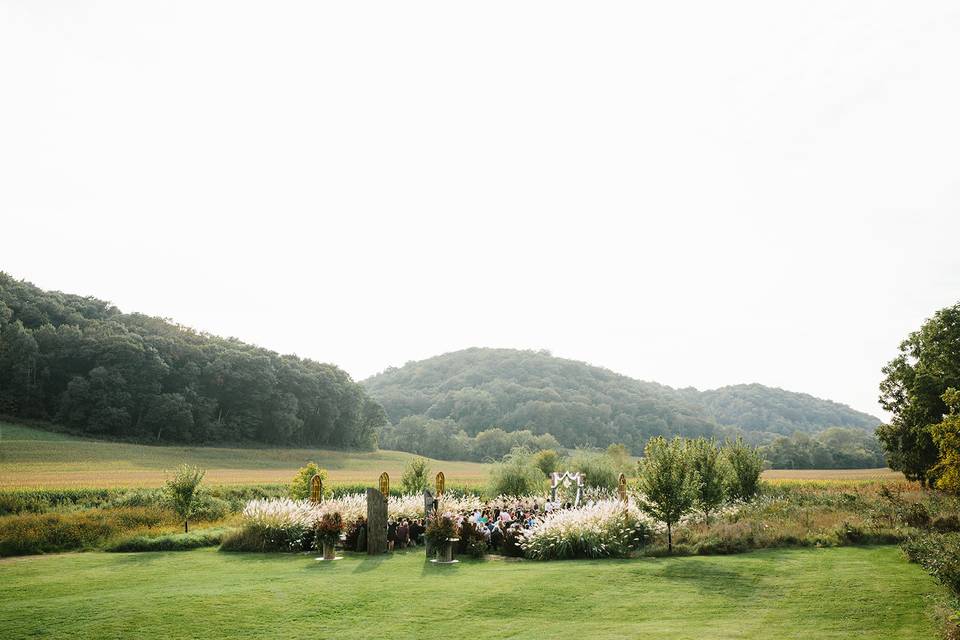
x: 328, y: 530
x: 441, y: 533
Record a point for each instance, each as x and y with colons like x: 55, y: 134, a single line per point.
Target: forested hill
x: 81, y: 362
x: 579, y: 404
x: 754, y: 407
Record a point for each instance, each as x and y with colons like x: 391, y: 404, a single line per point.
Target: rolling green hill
x: 579, y: 404
x: 84, y: 364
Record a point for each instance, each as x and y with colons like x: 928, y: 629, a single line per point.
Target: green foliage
x: 451, y: 399
x: 833, y: 448
x: 767, y: 410
x: 939, y: 554
x: 913, y: 392
x: 667, y: 486
x: 710, y: 471
x: 445, y: 440
x: 746, y: 465
x: 946, y: 435
x: 622, y: 460
x: 182, y: 492
x: 98, y: 371
x: 54, y: 532
x: 472, y: 541
x: 600, y: 468
x: 547, y: 460
x: 170, y: 541
x: 516, y: 475
x: 416, y: 476
x: 213, y: 501
x: 300, y: 485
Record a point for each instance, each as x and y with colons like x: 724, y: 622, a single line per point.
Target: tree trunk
x: 669, y: 539
x: 186, y: 526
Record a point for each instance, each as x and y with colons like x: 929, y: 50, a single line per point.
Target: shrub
x: 513, y: 542
x: 547, y: 460
x: 170, y: 542
x: 939, y: 554
x: 516, y: 475
x: 600, y: 469
x: 610, y: 528
x: 50, y: 532
x: 416, y: 476
x: 472, y: 540
x: 300, y: 485
x: 210, y: 509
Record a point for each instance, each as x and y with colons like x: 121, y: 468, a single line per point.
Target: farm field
x: 815, y: 593
x: 34, y: 458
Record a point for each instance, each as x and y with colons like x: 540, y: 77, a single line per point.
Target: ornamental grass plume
x: 608, y: 528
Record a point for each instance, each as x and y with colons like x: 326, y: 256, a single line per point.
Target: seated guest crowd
x: 493, y: 523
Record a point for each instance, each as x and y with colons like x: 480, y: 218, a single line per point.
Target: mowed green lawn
x: 811, y: 593
x: 35, y: 458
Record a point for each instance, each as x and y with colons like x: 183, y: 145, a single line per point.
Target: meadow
x: 35, y: 458
x: 866, y: 593
x: 812, y: 556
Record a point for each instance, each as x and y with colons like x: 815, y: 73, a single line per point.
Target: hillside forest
x: 471, y: 403
x: 83, y: 364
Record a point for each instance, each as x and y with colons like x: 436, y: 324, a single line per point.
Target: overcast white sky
x: 697, y: 193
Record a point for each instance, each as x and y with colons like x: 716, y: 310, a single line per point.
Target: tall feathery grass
x: 602, y: 529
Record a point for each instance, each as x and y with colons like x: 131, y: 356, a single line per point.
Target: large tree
x: 912, y: 391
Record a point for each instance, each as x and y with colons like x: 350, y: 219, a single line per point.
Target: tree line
x: 585, y: 406
x: 834, y: 448
x: 83, y: 363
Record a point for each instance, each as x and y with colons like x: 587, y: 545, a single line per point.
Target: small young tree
x: 182, y: 492
x: 300, y: 485
x: 666, y: 483
x: 416, y: 476
x: 746, y: 465
x: 710, y: 472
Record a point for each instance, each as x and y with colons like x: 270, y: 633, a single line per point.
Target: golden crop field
x: 847, y: 475
x: 33, y: 458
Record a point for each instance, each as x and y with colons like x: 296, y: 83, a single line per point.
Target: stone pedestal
x: 376, y: 522
x: 429, y: 504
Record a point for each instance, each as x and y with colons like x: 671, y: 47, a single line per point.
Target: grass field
x: 33, y: 458
x: 821, y: 593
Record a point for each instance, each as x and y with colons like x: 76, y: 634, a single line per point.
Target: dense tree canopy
x: 83, y: 363
x: 834, y: 448
x: 580, y: 405
x: 913, y: 392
